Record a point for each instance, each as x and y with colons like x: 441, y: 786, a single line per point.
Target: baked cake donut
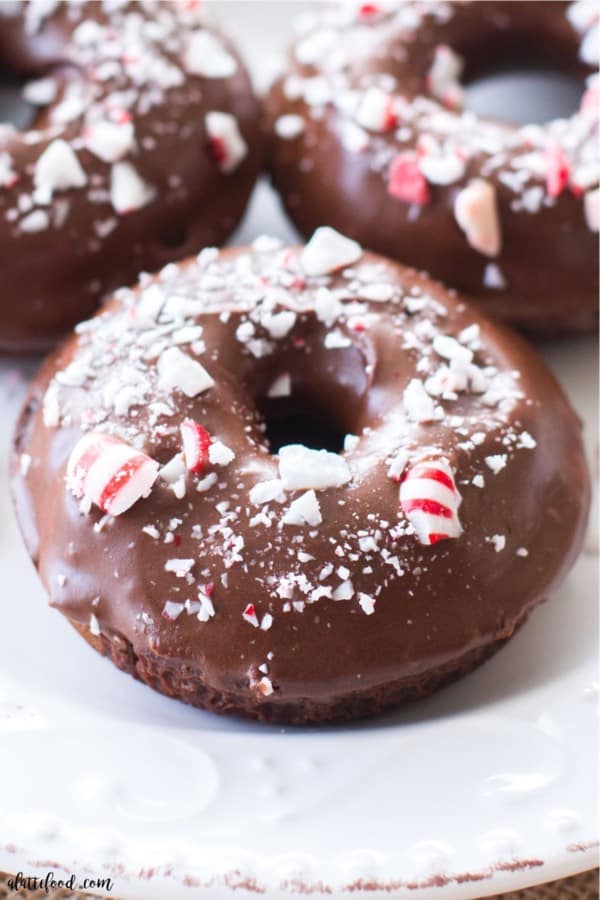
x: 368, y: 134
x: 304, y: 585
x: 145, y: 148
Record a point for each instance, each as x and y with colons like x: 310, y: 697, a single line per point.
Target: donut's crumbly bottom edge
x: 188, y: 684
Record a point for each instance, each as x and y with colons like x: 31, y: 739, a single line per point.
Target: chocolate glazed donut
x: 368, y: 135
x: 145, y: 148
x: 309, y: 585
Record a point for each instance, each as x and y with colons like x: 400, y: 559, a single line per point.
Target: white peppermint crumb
x: 179, y: 567
x: 526, y: 441
x: 171, y: 610
x: 498, y: 540
x: 128, y: 191
x: 493, y: 277
x: 266, y: 622
x: 219, y: 454
x: 335, y: 340
x: 177, y: 370
x: 265, y: 491
x: 344, y: 591
x: 301, y: 467
x: 496, y: 462
x: 207, y: 482
x: 478, y: 481
x: 265, y: 686
x: 327, y: 251
x: 281, y: 386
x: 417, y: 402
x: 289, y: 126
x: 522, y: 551
x: 94, y: 625
x: 305, y: 510
x: 366, y: 603
x: 205, y: 55
x: 351, y: 442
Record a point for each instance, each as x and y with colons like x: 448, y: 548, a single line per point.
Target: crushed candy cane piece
x: 109, y: 141
x: 289, y: 126
x: 249, y: 615
x: 558, y: 170
x: 177, y: 370
x: 128, y: 191
x: 328, y: 251
x: 108, y: 472
x: 57, y: 169
x: 196, y: 442
x: 301, y: 467
x: 376, y: 111
x: 443, y: 76
x: 429, y: 499
x: 205, y: 55
x: 305, y: 510
x: 406, y: 182
x: 476, y: 213
x: 227, y: 145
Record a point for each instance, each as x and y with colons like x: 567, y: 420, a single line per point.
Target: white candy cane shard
x: 327, y: 251
x: 376, y: 111
x: 444, y: 74
x: 476, y: 212
x: 108, y: 472
x: 177, y: 370
x: 128, y: 191
x: 109, y: 141
x: 429, y: 499
x: 301, y: 467
x: 57, y: 169
x: 206, y: 56
x: 227, y: 145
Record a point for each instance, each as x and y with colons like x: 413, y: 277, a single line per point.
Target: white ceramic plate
x: 488, y: 786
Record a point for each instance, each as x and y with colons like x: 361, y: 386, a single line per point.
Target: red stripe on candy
x: 434, y: 537
x: 433, y: 475
x: 431, y: 507
x: 119, y: 479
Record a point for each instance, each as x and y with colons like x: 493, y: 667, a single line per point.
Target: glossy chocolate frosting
x: 141, y: 181
x: 333, y: 148
x: 349, y: 604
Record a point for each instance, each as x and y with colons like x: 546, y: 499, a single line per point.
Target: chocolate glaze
x: 514, y: 447
x: 545, y: 279
x: 55, y: 275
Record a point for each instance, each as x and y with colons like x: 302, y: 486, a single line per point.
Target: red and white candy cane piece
x: 476, y: 212
x: 558, y: 170
x: 376, y: 111
x: 406, y: 182
x: 430, y: 500
x: 443, y: 76
x: 226, y: 143
x: 196, y: 441
x: 109, y: 473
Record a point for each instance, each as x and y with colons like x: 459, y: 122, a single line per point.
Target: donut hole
x: 524, y: 94
x: 522, y: 78
x: 14, y: 108
x: 309, y: 427
x: 311, y: 395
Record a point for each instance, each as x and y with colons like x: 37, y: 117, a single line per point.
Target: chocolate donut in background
x: 285, y: 582
x: 145, y: 148
x: 368, y: 135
